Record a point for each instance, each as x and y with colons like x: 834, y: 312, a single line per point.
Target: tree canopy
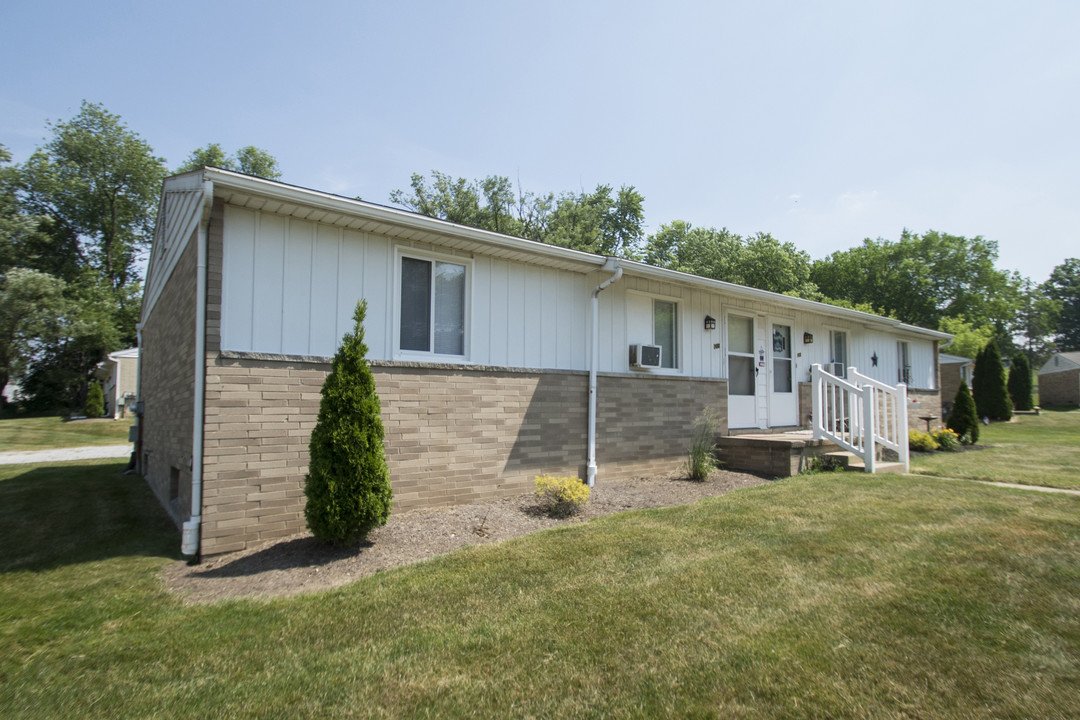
x: 603, y: 221
x: 249, y: 160
x: 759, y: 261
x: 921, y: 279
x: 77, y: 217
x: 1064, y: 288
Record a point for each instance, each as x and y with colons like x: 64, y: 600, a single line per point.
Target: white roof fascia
x: 411, y: 220
x: 393, y: 216
x: 876, y: 321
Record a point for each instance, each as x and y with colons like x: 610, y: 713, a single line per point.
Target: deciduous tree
x: 921, y: 279
x: 249, y: 160
x: 1064, y: 287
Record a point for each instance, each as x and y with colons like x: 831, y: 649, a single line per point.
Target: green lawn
x: 1039, y: 449
x: 44, y: 433
x: 819, y: 596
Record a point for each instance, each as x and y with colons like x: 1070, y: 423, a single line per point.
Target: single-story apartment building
x: 496, y: 358
x: 1059, y: 380
x: 118, y: 374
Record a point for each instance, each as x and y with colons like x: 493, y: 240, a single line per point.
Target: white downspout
x: 594, y: 361
x: 192, y: 528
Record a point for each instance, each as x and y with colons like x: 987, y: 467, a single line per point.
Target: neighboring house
x: 119, y: 375
x: 1059, y: 380
x: 954, y: 370
x: 483, y: 348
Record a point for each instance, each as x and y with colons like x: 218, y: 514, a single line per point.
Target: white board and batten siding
x: 290, y: 287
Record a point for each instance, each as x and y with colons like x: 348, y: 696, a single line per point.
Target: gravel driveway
x: 63, y: 454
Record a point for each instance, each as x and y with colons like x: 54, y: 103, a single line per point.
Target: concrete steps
x: 852, y: 462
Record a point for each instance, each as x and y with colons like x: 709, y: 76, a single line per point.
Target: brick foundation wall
x: 923, y: 402
x: 453, y: 435
x: 806, y: 403
x: 1060, y: 388
x: 167, y: 389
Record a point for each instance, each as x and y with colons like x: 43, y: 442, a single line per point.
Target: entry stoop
x: 772, y: 454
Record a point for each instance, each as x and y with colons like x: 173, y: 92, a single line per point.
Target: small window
x: 903, y: 363
x: 665, y: 334
x: 432, y: 306
x: 174, y: 483
x: 838, y: 353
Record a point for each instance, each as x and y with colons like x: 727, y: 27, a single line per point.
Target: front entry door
x: 742, y: 375
x: 783, y: 398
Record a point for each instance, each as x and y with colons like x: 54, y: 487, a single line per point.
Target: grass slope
x: 46, y: 433
x: 823, y: 596
x: 1039, y: 449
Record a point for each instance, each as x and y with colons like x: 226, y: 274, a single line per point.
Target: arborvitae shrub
x: 1020, y: 382
x: 991, y: 397
x: 95, y: 402
x: 963, y: 420
x: 348, y: 484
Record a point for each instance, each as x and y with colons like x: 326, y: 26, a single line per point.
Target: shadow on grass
x: 64, y: 514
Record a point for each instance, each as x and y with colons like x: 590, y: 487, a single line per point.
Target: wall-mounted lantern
x: 807, y: 338
x: 710, y: 322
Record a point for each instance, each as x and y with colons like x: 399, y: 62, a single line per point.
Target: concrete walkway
x: 1015, y: 486
x: 64, y: 454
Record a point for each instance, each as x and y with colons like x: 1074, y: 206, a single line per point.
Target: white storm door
x: 783, y: 391
x: 742, y: 375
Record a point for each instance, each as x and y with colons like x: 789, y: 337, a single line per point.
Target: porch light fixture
x: 807, y: 338
x: 710, y: 322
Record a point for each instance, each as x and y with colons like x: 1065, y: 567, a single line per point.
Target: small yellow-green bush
x: 921, y: 442
x: 561, y: 496
x: 946, y: 439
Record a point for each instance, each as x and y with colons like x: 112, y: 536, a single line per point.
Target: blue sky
x: 822, y: 123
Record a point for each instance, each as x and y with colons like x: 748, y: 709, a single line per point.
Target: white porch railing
x: 860, y: 414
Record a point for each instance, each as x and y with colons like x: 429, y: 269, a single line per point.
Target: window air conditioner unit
x: 645, y: 356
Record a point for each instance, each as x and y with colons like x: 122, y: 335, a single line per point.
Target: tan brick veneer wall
x: 923, y: 403
x: 167, y: 386
x: 453, y: 435
x: 1060, y: 388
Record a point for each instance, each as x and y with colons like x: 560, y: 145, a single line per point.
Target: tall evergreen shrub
x: 1020, y: 382
x: 95, y: 402
x: 963, y: 420
x: 348, y: 484
x: 988, y: 385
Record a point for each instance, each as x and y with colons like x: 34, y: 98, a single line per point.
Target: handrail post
x: 902, y: 426
x: 869, y: 443
x: 817, y: 388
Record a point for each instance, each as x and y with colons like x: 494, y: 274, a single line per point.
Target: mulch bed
x: 299, y: 564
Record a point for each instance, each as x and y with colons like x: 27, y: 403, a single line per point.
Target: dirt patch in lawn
x: 299, y: 564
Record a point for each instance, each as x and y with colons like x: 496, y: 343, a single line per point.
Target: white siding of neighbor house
x: 290, y: 286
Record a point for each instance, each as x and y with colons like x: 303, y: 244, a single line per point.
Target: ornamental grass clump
x: 348, y: 484
x: 561, y: 496
x: 700, y: 461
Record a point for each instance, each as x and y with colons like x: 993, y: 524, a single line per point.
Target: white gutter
x: 137, y: 446
x: 189, y: 545
x: 594, y: 362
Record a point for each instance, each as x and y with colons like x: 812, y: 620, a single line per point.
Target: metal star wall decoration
x: 873, y: 358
